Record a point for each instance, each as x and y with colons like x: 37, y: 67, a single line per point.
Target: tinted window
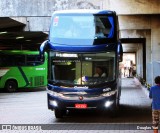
x: 19, y: 60
x: 81, y: 28
x: 74, y: 68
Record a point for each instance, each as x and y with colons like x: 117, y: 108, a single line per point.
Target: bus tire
x: 115, y: 109
x: 11, y: 86
x: 58, y: 113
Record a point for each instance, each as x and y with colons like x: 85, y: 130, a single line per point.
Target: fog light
x: 53, y: 103
x: 108, y: 103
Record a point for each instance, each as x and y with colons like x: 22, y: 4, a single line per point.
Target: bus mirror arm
x: 42, y: 49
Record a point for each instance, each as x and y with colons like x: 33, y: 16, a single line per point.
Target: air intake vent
x: 39, y: 80
x: 31, y: 81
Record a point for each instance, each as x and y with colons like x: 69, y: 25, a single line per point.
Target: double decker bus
x: 84, y: 54
x: 22, y: 69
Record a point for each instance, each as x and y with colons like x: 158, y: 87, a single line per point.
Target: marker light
x: 4, y: 32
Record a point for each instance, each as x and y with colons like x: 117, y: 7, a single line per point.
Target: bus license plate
x: 81, y: 106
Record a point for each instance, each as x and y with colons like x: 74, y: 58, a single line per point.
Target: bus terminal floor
x: 31, y: 108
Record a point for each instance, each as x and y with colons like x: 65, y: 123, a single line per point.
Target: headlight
x: 108, y: 103
x: 53, y: 103
x: 108, y: 94
x: 53, y: 93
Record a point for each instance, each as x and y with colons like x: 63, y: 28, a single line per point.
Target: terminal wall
x: 124, y: 7
x: 42, y: 8
x: 36, y: 14
x: 134, y: 22
x: 35, y: 23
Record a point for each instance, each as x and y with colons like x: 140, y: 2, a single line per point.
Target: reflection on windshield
x: 81, y: 27
x: 83, y: 69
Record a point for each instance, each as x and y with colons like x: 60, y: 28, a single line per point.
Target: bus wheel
x: 115, y: 109
x: 58, y: 113
x: 11, y: 86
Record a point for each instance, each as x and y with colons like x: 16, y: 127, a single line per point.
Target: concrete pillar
x: 155, y: 34
x: 148, y: 57
x: 139, y: 62
x: 155, y: 46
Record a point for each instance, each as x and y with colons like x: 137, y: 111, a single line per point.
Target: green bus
x: 22, y: 69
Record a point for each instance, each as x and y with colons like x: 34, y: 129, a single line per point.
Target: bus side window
x: 6, y: 60
x: 20, y: 60
x: 33, y: 60
x: 1, y: 61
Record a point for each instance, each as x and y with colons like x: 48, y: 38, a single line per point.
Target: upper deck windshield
x: 89, y: 29
x: 82, y: 69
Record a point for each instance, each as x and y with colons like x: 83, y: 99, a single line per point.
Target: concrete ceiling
x: 12, y: 36
x: 9, y: 24
x: 130, y: 47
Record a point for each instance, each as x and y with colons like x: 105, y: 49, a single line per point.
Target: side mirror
x: 120, y: 52
x: 42, y: 49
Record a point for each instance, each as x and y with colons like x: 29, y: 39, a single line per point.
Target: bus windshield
x: 89, y: 29
x: 82, y: 69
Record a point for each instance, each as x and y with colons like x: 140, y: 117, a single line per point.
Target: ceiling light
x: 19, y: 37
x: 3, y: 32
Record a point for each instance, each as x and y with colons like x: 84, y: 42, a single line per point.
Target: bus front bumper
x: 81, y: 103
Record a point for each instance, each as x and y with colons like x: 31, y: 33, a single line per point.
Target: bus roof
x: 84, y: 11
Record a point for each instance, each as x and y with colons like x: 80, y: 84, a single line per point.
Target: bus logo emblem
x: 80, y: 97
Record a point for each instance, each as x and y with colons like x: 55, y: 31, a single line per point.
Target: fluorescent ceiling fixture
x: 28, y: 40
x: 19, y: 37
x: 3, y: 32
x: 46, y: 33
